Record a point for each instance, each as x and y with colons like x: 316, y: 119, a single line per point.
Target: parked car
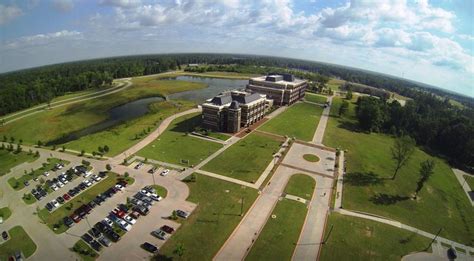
x: 165, y: 172
x: 68, y: 221
x: 139, y: 165
x: 119, y: 213
x: 119, y: 187
x: 135, y: 215
x: 92, y: 204
x: 112, y: 235
x: 148, y: 200
x: 75, y: 218
x: 66, y: 197
x: 107, y: 222
x: 152, y: 170
x: 60, y: 200
x: 155, y: 197
x: 87, y: 238
x: 100, y: 226
x: 26, y: 183
x: 141, y: 209
x: 167, y: 229
x: 149, y: 247
x: 46, y: 174
x: 95, y: 232
x: 160, y: 234
x: 182, y: 213
x: 129, y: 220
x: 123, y: 207
x: 54, y: 203
x: 123, y: 225
x: 49, y: 207
x: 95, y: 245
x: 104, y: 241
x: 54, y: 187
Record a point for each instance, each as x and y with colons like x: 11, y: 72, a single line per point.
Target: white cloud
x: 8, y: 13
x: 63, y: 5
x: 121, y: 3
x: 41, y: 39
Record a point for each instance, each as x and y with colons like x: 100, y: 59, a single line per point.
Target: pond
x: 215, y: 86
x: 117, y: 115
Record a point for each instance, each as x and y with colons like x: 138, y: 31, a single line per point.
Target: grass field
x: 54, y: 220
x: 10, y: 160
x: 216, y: 216
x: 5, y: 213
x: 279, y: 236
x: 53, y: 124
x: 359, y: 239
x: 246, y: 159
x: 174, y: 145
x: 300, y: 121
x: 84, y: 251
x: 301, y: 185
x: 315, y: 98
x: 224, y: 75
x: 28, y: 198
x: 19, y: 241
x: 126, y: 135
x: 334, y: 84
x: 18, y: 184
x: 367, y: 186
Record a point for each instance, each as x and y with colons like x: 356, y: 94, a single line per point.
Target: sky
x: 426, y: 41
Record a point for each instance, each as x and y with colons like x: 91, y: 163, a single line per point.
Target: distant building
x: 230, y: 111
x: 283, y: 89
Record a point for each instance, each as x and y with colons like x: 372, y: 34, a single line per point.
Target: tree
x: 86, y: 163
x: 39, y: 143
x: 108, y: 167
x: 401, y: 151
x: 106, y: 149
x: 426, y: 170
x: 101, y: 150
x: 349, y: 94
x: 37, y: 154
x: 179, y: 250
x: 63, y: 148
x: 343, y: 108
x: 12, y: 139
x: 5, y: 138
x: 82, y: 153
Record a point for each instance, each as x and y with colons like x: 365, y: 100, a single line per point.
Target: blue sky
x: 426, y: 41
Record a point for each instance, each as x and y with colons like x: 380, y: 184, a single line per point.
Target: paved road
x: 319, y: 134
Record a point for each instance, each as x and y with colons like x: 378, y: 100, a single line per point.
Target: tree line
x: 432, y: 123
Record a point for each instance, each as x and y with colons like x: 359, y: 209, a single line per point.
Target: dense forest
x: 25, y: 88
x: 433, y: 123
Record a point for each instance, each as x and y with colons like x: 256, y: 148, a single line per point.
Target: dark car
x: 97, y: 201
x: 75, y: 218
x: 60, y: 200
x: 102, y: 174
x: 49, y: 206
x: 95, y: 232
x: 123, y: 207
x: 452, y: 254
x: 167, y: 229
x: 43, y: 193
x: 92, y: 204
x: 182, y: 213
x: 26, y: 183
x: 5, y: 235
x: 141, y: 209
x: 88, y: 238
x: 82, y: 186
x: 68, y: 221
x: 104, y: 241
x: 112, y: 235
x: 100, y: 226
x: 96, y: 246
x: 150, y: 247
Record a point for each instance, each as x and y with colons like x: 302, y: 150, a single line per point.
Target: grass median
x: 246, y: 159
x: 315, y: 98
x: 300, y: 120
x: 5, y: 213
x: 301, y: 185
x: 54, y: 220
x: 354, y: 238
x: 19, y: 241
x: 12, y: 159
x: 217, y: 214
x: 279, y: 236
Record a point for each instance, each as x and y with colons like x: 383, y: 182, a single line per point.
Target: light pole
x: 327, y: 237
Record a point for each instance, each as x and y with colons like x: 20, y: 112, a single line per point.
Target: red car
x: 119, y: 213
x: 167, y: 229
x: 66, y: 197
x: 75, y: 218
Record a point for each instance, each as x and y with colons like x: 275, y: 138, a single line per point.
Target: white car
x: 59, y: 184
x: 160, y: 234
x: 54, y: 187
x: 145, y: 193
x: 54, y: 203
x: 87, y: 174
x: 129, y: 220
x: 96, y: 178
x: 108, y: 222
x: 119, y: 187
x: 87, y: 183
x: 63, y: 180
x: 165, y: 172
x: 123, y: 225
x: 46, y: 174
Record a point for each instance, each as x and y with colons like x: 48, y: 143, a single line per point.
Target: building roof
x: 221, y: 99
x: 247, y: 98
x: 234, y: 105
x: 282, y: 79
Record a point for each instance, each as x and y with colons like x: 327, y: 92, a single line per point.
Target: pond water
x: 215, y: 86
x: 138, y: 108
x: 117, y: 115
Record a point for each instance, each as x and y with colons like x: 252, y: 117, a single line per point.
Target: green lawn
x: 315, y: 98
x: 301, y: 185
x: 246, y: 159
x: 216, y: 216
x: 10, y: 160
x: 354, y: 238
x: 279, y: 237
x: 161, y: 191
x: 84, y: 251
x: 19, y: 241
x: 174, y: 145
x: 470, y: 181
x: 18, y: 184
x: 28, y: 198
x: 300, y: 121
x: 126, y: 135
x: 5, y: 213
x: 368, y: 188
x: 54, y: 220
x: 56, y: 123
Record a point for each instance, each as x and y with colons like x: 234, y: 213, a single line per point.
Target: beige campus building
x: 283, y: 89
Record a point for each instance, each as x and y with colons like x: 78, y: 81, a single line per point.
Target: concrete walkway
x: 319, y: 134
x: 340, y: 182
x: 462, y: 181
x: 228, y: 179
